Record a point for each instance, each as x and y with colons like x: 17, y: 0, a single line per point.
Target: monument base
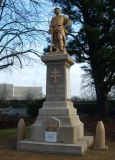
x: 57, y: 128
x: 78, y: 148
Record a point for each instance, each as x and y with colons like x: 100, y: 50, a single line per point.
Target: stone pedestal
x: 58, y: 121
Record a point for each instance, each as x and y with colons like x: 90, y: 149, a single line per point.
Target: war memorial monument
x: 57, y: 128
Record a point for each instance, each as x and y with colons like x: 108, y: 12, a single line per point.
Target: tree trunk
x: 101, y: 103
x: 101, y: 95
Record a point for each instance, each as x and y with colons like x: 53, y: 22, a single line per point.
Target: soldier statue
x: 58, y: 26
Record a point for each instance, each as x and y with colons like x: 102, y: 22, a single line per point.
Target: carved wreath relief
x: 55, y: 74
x: 51, y: 127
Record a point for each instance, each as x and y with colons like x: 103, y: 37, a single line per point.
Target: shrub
x: 32, y: 109
x: 8, y: 121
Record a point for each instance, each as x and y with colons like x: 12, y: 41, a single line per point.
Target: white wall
x: 18, y: 92
x: 9, y: 90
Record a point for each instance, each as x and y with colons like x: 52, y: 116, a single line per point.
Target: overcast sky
x: 36, y: 76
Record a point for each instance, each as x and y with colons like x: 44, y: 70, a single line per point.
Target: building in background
x: 6, y: 91
x: 27, y: 93
x: 10, y: 92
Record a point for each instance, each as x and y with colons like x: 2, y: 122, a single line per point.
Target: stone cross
x: 55, y: 74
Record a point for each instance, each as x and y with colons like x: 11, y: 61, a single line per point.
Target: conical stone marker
x: 21, y: 130
x: 100, y: 137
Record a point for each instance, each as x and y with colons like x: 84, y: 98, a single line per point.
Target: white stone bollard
x: 100, y: 135
x: 21, y: 130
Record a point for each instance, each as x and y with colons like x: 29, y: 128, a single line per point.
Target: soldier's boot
x: 57, y: 47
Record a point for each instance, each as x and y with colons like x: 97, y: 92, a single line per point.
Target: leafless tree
x: 75, y: 99
x: 111, y: 94
x: 21, y: 31
x: 87, y: 88
x: 4, y: 92
x: 30, y: 94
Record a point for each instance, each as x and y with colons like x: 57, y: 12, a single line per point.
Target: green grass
x: 7, y: 136
x: 11, y: 134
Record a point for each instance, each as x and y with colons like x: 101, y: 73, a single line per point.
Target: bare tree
x: 21, y: 31
x: 75, y: 99
x: 87, y: 88
x: 111, y: 94
x: 4, y: 92
x: 30, y: 94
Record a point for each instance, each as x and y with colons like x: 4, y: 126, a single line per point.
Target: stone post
x: 21, y: 130
x: 100, y: 135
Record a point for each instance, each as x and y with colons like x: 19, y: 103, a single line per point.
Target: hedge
x: 85, y: 108
x: 88, y: 107
x: 8, y: 121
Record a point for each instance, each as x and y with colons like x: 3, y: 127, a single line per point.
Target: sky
x: 36, y: 76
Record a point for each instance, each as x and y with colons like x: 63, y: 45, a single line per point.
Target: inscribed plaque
x: 50, y: 136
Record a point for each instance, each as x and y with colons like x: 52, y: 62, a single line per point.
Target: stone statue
x: 58, y: 26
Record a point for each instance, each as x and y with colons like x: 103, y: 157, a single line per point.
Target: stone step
x: 78, y: 148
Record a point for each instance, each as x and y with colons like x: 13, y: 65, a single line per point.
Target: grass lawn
x: 8, y: 143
